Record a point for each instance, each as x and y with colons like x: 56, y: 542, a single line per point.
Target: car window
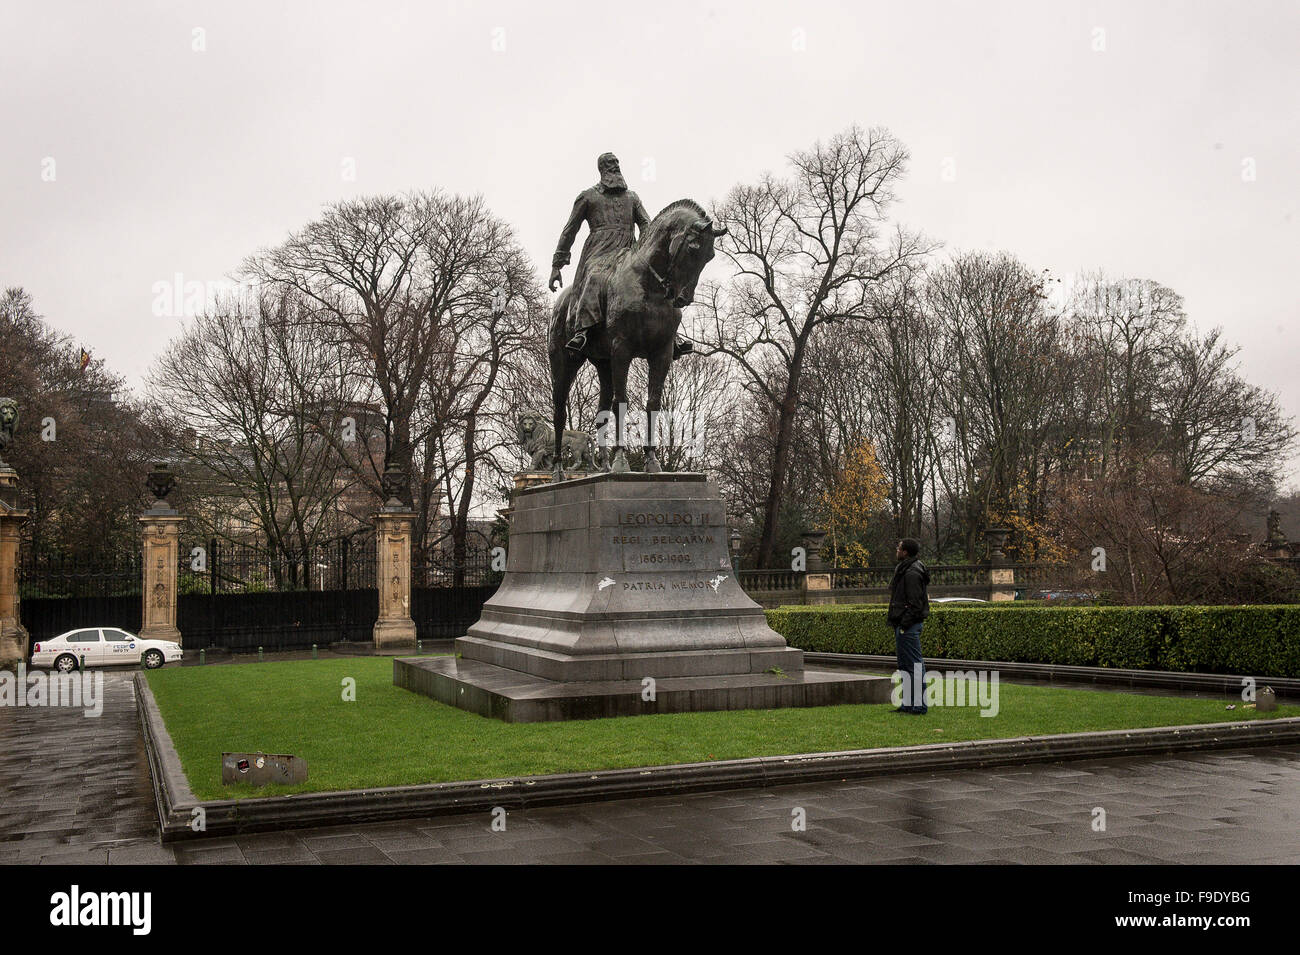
x: 117, y: 636
x: 84, y: 636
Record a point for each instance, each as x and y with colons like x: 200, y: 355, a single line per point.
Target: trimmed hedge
x: 1255, y: 640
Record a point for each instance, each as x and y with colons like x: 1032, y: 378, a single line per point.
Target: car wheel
x: 153, y: 659
x: 66, y: 663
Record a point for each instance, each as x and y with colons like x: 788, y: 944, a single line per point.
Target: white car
x: 102, y: 646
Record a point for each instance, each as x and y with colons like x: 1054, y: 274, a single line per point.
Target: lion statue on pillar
x: 8, y: 422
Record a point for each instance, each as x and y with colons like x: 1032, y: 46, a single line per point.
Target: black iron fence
x: 240, y: 597
x: 54, y: 575
x: 60, y: 592
x: 447, y: 595
x: 215, y: 566
x: 289, y: 620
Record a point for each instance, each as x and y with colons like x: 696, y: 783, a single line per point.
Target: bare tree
x: 486, y: 333
x: 253, y: 438
x: 83, y: 444
x: 394, y: 281
x: 998, y: 371
x: 806, y: 252
x: 1127, y: 327
x: 1216, y: 425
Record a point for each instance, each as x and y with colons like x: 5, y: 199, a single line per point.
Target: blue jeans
x: 910, y: 661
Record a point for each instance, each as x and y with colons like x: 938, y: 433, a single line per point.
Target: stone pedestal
x: 1002, y: 580
x: 525, y: 479
x: 394, y: 629
x: 619, y: 599
x: 162, y: 532
x: 13, y: 636
x: 818, y: 589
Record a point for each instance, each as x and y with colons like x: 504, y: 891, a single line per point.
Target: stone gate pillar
x: 817, y: 583
x: 394, y: 629
x: 1002, y: 573
x: 161, y: 525
x: 13, y: 636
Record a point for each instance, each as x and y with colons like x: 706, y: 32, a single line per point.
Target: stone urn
x: 812, y: 544
x: 161, y: 482
x: 395, y: 487
x: 996, y: 538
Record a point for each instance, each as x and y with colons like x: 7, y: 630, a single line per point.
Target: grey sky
x: 1128, y: 158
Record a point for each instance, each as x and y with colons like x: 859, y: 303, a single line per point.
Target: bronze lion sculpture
x: 537, y: 438
x: 8, y: 422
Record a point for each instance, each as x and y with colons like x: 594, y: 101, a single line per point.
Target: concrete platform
x: 518, y: 697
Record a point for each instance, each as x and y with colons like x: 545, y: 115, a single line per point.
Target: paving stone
x: 650, y: 858
x: 197, y: 854
x: 360, y: 855
x: 153, y: 854
x: 335, y: 841
x: 423, y: 857
x: 403, y: 842
x: 291, y: 856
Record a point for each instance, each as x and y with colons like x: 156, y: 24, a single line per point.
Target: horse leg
x: 564, y: 368
x: 619, y: 362
x: 606, y: 376
x: 659, y: 365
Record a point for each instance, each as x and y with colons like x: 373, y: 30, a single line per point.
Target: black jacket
x: 909, y: 599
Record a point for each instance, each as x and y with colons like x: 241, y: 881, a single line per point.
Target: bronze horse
x: 641, y: 295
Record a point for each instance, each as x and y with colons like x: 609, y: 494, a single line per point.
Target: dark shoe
x: 578, y: 342
x: 920, y: 712
x: 682, y: 347
x: 907, y: 710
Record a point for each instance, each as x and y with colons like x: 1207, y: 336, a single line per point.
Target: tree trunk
x: 784, y: 432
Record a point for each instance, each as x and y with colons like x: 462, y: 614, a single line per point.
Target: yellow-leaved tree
x: 859, y: 489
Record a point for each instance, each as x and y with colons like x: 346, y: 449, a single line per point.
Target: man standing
x: 909, y: 605
x: 610, y: 210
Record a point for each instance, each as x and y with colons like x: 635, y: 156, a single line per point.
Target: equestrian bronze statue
x: 625, y: 302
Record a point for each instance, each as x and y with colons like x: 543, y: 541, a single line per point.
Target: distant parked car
x: 958, y: 600
x: 102, y: 646
x: 1061, y: 596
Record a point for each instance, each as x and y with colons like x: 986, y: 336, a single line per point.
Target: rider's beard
x: 612, y: 179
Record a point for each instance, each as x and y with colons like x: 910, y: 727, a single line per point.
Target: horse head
x: 686, y: 248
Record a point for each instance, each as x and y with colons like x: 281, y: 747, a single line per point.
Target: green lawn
x: 392, y: 737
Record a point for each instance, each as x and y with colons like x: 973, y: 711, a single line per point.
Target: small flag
x: 85, y: 359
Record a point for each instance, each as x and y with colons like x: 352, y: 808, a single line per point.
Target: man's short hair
x: 911, y: 546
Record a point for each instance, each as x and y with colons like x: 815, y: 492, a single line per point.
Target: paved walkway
x: 76, y: 790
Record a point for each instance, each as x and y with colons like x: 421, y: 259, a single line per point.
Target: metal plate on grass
x: 262, y: 769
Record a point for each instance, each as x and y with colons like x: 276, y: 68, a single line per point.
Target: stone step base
x: 518, y: 697
x: 550, y: 664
